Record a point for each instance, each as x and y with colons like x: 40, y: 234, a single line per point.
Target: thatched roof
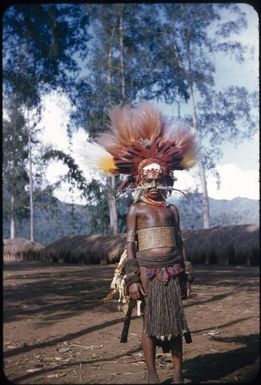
x: 222, y: 244
x: 86, y: 248
x: 229, y: 244
x: 20, y: 245
x: 20, y: 248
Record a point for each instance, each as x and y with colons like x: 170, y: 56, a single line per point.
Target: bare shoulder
x: 133, y: 209
x: 175, y: 211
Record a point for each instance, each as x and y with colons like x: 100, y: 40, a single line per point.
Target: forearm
x: 188, y: 266
x: 131, y: 267
x: 131, y: 247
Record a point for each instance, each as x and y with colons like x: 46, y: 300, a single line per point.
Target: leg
x: 149, y: 349
x: 176, y: 352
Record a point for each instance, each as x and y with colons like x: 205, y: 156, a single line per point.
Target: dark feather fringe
x: 164, y: 315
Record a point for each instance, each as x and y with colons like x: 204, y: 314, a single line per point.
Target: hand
x: 186, y: 288
x: 189, y: 289
x: 189, y: 281
x: 135, y: 289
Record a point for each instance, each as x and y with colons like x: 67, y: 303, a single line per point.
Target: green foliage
x: 138, y: 69
x: 97, y: 196
x: 40, y: 42
x: 15, y: 155
x: 39, y: 45
x: 225, y: 116
x: 74, y: 171
x: 94, y: 193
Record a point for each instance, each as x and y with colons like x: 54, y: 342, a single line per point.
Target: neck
x: 159, y: 202
x: 160, y: 198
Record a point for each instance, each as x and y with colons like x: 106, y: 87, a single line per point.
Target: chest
x: 154, y: 216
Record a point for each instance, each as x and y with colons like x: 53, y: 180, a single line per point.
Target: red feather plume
x: 140, y: 133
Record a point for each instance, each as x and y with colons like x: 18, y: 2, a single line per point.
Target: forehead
x: 152, y: 167
x: 152, y: 174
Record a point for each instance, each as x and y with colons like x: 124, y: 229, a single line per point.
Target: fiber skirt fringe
x: 164, y: 318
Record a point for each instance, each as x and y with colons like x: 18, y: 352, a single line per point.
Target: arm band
x: 131, y: 236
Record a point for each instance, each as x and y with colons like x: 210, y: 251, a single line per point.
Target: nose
x: 154, y: 183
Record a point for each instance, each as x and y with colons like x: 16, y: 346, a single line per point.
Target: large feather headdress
x: 137, y: 137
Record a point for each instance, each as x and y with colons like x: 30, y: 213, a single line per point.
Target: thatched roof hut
x: 237, y: 244
x: 86, y: 249
x: 20, y: 249
x: 222, y: 245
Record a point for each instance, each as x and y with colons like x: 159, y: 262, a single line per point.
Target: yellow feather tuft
x: 107, y: 165
x: 189, y: 159
x: 94, y: 156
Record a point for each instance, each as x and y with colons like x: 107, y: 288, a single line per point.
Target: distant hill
x: 237, y: 211
x: 59, y: 219
x: 53, y: 221
x: 243, y: 210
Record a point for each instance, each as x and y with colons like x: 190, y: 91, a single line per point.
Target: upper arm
x: 132, y: 218
x: 131, y: 232
x: 175, y: 212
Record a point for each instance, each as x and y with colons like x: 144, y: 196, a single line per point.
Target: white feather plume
x: 95, y: 157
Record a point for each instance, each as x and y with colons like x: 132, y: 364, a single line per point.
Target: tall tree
x: 187, y: 37
x: 123, y: 50
x: 39, y: 45
x: 15, y: 155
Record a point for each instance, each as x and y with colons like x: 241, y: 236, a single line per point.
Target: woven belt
x: 156, y: 237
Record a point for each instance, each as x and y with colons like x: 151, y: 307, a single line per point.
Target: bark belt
x: 166, y: 260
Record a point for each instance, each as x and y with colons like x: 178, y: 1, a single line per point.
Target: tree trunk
x: 111, y: 182
x: 202, y: 174
x: 204, y: 194
x: 110, y: 66
x: 30, y: 182
x: 12, y: 218
x: 123, y: 88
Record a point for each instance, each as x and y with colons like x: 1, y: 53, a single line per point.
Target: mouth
x: 153, y: 191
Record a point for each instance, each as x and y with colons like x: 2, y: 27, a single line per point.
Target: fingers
x: 135, y: 295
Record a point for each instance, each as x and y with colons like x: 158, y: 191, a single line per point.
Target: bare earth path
x: 57, y: 329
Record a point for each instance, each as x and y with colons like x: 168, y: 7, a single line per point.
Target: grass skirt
x: 164, y: 318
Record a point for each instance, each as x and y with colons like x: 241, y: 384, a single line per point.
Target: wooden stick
x: 126, y: 323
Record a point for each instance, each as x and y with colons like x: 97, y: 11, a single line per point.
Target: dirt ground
x: 58, y: 330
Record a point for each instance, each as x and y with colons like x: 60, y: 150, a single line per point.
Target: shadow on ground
x: 215, y: 366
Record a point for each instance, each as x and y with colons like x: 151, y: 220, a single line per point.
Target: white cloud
x: 186, y: 180
x: 55, y: 118
x: 54, y: 122
x: 235, y: 182
x: 54, y: 170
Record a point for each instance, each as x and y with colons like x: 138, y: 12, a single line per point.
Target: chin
x: 155, y: 195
